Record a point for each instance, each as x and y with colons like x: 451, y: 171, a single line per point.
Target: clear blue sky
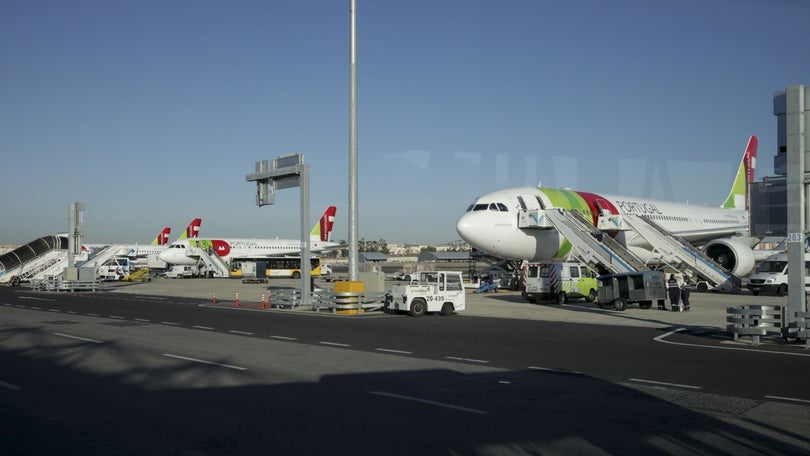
x: 152, y: 112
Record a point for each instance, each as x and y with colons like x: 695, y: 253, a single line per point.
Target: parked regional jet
x: 159, y: 244
x: 490, y: 224
x: 186, y: 252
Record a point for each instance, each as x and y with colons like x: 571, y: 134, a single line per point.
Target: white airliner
x: 490, y: 224
x: 186, y: 252
x: 159, y: 244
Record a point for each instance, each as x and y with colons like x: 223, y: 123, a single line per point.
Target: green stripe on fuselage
x: 569, y: 200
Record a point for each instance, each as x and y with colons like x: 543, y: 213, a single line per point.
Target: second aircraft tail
x: 323, y: 229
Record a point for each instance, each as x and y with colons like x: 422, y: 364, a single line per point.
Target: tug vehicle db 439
x: 429, y: 291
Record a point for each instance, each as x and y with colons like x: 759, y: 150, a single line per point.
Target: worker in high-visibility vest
x: 674, y: 289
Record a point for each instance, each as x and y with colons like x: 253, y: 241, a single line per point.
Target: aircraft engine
x: 734, y: 255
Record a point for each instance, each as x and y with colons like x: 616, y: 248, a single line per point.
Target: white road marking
x: 169, y: 323
x: 202, y: 327
x: 244, y: 333
x: 54, y: 310
x: 7, y: 304
x: 143, y: 320
x: 662, y: 336
x: 792, y: 399
x: 202, y: 361
x: 388, y: 350
x: 116, y: 316
x: 560, y: 371
x: 72, y: 312
x: 9, y: 385
x: 91, y: 315
x: 429, y: 402
x: 283, y: 338
x: 677, y: 385
x: 456, y: 358
x: 36, y: 308
x: 36, y: 299
x: 335, y: 344
x: 22, y: 307
x: 78, y: 338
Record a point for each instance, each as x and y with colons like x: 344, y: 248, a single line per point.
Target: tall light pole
x: 353, y: 218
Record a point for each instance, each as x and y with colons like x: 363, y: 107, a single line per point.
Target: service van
x: 181, y: 272
x: 772, y: 275
x: 559, y: 281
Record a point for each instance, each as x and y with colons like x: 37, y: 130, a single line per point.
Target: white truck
x: 429, y: 291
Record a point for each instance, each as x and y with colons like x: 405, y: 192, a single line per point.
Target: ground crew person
x: 674, y: 290
x: 685, y: 295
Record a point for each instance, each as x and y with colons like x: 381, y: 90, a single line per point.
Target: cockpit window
x: 480, y: 207
x: 503, y: 207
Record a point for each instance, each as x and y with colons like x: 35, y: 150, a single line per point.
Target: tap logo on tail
x: 323, y: 229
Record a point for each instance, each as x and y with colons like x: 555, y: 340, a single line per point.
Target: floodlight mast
x: 353, y: 215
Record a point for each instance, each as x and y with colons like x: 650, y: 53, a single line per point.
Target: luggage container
x: 632, y: 287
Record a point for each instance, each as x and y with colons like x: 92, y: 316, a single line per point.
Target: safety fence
x: 803, y: 324
x: 56, y: 283
x: 754, y: 321
x: 335, y: 302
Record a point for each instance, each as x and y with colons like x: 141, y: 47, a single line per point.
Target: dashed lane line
x: 469, y: 360
x: 283, y: 338
x: 10, y: 386
x: 243, y: 333
x: 429, y: 402
x: 202, y: 361
x: 790, y: 399
x: 207, y: 328
x: 389, y: 350
x: 334, y: 344
x: 653, y: 382
x: 78, y: 338
x: 557, y: 371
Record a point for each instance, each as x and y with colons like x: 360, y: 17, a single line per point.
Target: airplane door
x: 529, y: 202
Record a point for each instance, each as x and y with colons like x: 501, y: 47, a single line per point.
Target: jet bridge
x: 29, y: 259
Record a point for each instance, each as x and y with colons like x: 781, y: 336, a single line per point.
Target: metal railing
x: 56, y: 283
x: 348, y: 302
x: 755, y: 321
x: 803, y: 324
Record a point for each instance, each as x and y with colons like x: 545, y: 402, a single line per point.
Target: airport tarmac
x: 708, y: 310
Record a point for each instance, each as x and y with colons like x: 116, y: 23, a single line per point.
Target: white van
x: 559, y: 281
x: 772, y: 275
x: 180, y: 272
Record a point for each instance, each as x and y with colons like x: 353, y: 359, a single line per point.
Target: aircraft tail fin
x: 192, y: 230
x: 323, y: 229
x: 738, y: 196
x: 162, y: 237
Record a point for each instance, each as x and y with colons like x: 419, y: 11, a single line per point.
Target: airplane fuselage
x: 491, y: 222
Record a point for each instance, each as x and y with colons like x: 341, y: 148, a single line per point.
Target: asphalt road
x: 108, y: 373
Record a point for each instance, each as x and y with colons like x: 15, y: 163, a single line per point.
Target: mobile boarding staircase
x: 589, y: 244
x: 682, y: 255
x: 592, y: 245
x: 210, y: 259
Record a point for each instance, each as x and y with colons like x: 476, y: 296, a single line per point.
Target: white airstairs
x: 682, y: 255
x: 595, y: 247
x: 210, y: 260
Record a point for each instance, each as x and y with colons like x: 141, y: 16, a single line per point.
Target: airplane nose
x: 472, y: 228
